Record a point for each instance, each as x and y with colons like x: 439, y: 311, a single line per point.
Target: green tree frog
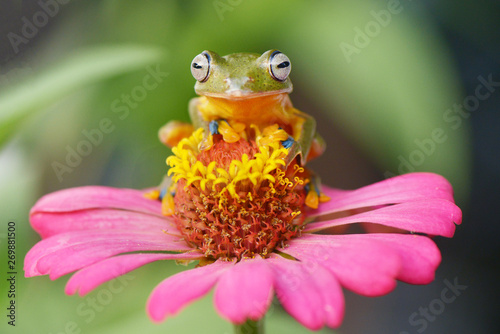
x: 241, y: 90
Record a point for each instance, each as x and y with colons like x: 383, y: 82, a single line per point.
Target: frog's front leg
x: 304, y: 137
x: 306, y: 144
x: 231, y: 131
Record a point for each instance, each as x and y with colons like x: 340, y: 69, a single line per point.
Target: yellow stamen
x: 263, y: 166
x: 236, y: 199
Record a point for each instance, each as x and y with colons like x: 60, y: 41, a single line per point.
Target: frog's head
x: 241, y: 75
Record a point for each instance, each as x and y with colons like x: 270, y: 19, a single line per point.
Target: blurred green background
x: 381, y: 77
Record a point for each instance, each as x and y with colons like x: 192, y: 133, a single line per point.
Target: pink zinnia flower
x: 91, y: 229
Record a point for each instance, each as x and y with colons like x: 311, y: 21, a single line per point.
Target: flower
x: 243, y: 216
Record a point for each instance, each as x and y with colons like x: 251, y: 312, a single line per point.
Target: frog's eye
x: 200, y: 67
x: 279, y: 66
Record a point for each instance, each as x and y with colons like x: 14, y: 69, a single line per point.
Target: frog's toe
x: 228, y: 133
x: 168, y: 205
x: 314, y: 195
x: 174, y: 131
x: 312, y: 200
x: 153, y: 195
x: 206, y: 143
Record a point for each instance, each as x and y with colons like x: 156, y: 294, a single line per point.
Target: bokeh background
x: 396, y: 86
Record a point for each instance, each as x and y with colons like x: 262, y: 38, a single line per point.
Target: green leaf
x: 78, y: 70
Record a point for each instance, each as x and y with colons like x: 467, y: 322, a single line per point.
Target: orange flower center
x: 236, y: 200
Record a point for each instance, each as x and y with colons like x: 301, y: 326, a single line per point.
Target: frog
x: 243, y: 90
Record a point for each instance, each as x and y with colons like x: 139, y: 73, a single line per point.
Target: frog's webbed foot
x: 174, y: 131
x: 164, y: 193
x: 231, y: 133
x: 314, y: 196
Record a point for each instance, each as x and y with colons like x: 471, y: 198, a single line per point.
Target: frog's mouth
x: 241, y: 94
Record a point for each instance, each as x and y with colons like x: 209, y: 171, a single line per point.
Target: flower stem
x: 250, y: 327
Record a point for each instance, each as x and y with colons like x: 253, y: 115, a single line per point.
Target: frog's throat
x: 264, y: 109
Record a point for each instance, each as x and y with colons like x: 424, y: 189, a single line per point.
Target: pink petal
x: 367, y: 267
x: 70, y: 251
x: 96, y: 197
x: 399, y: 189
x: 50, y: 223
x: 419, y: 255
x: 245, y: 291
x: 434, y: 216
x: 311, y: 294
x: 92, y: 276
x: 174, y: 293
